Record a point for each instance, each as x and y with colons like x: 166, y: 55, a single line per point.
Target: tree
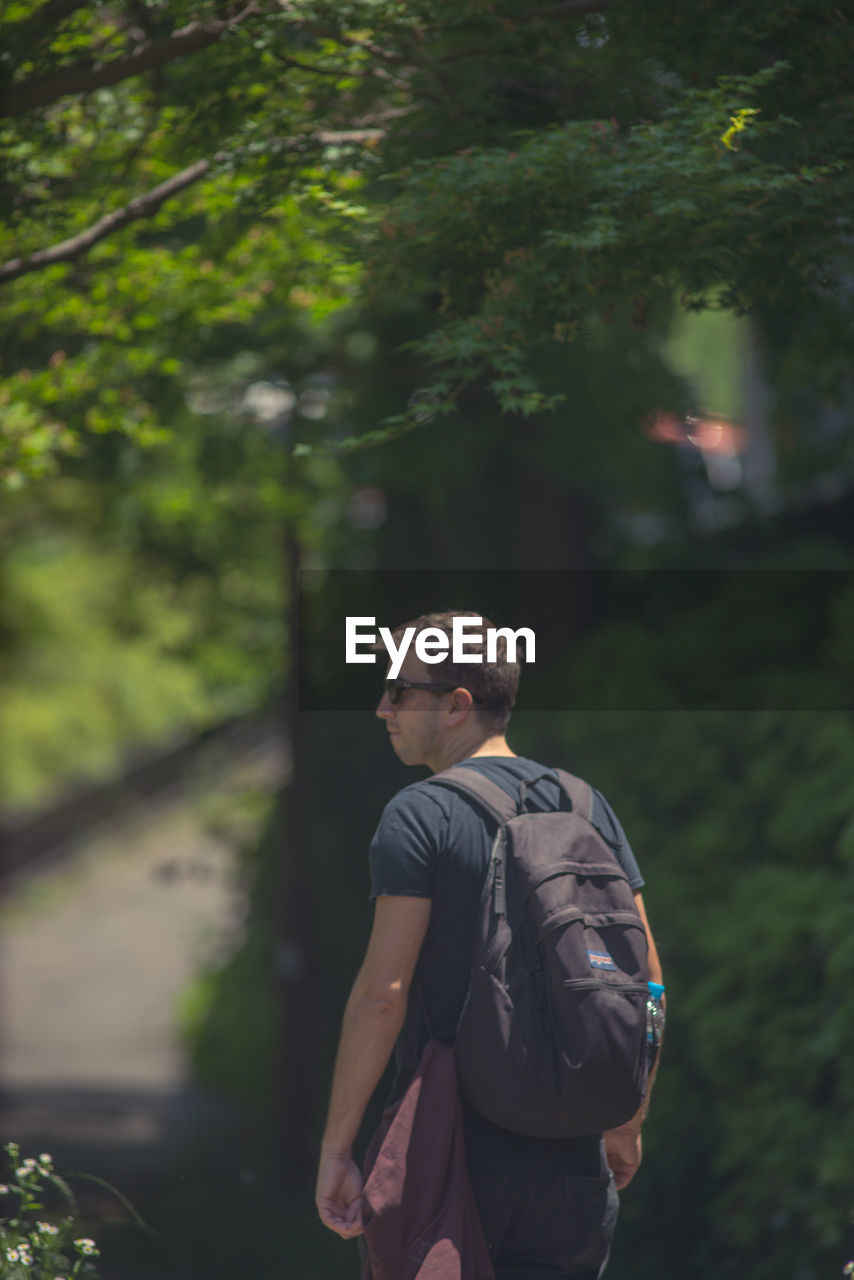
x: 527, y: 171
x: 139, y: 249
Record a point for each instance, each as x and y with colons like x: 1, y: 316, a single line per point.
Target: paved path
x: 94, y: 955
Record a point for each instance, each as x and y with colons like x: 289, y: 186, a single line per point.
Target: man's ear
x: 460, y: 705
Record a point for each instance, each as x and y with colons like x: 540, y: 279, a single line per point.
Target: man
x: 548, y: 1207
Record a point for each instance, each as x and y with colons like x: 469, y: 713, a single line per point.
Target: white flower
x: 26, y: 1256
x: 46, y: 1159
x: 12, y: 1255
x: 4, y: 1190
x: 47, y: 1228
x: 86, y: 1247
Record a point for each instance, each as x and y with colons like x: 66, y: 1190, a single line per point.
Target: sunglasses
x: 396, y: 688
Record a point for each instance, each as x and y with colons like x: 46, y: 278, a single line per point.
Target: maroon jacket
x: 418, y: 1212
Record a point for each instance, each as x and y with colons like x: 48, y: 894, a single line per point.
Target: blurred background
x: 545, y: 313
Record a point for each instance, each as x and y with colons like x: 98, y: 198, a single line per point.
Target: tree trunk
x: 294, y: 968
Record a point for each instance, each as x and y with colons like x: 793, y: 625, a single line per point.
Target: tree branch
x: 374, y: 73
x: 340, y: 137
x: 326, y: 31
x: 144, y: 206
x: 84, y: 77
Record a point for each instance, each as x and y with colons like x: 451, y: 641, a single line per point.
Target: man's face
x: 416, y: 725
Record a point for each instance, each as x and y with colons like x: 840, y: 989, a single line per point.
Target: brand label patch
x: 600, y: 960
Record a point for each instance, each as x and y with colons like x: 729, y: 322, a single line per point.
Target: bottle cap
x: 656, y: 989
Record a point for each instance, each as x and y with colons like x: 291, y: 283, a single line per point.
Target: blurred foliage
x: 145, y: 601
x: 108, y: 339
x: 585, y: 217
x: 518, y: 176
x: 99, y: 665
x: 371, y: 175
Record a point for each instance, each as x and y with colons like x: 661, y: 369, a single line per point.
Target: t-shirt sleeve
x: 404, y: 849
x: 607, y: 822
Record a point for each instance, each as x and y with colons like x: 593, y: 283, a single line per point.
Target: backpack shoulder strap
x: 492, y: 798
x: 579, y: 792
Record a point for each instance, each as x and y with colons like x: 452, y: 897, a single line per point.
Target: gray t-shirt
x: 435, y: 843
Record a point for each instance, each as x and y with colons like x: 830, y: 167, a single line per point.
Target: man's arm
x: 372, y: 1022
x: 623, y: 1146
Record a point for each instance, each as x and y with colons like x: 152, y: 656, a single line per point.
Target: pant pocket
x: 590, y: 1209
x: 491, y: 1197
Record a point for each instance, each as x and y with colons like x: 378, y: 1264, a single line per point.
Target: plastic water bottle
x: 654, y: 1020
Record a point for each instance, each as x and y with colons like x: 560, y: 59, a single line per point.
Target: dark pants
x: 548, y: 1208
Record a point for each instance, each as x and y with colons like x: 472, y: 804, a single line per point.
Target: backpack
x: 551, y: 1041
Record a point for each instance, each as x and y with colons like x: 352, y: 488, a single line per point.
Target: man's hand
x: 623, y: 1150
x: 338, y: 1195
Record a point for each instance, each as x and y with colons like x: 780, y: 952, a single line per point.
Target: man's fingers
x: 344, y: 1220
x: 347, y: 1230
x: 623, y: 1171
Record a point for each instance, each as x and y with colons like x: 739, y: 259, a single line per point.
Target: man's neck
x: 496, y: 745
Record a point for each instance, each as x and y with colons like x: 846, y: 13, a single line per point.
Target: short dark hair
x: 492, y: 685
